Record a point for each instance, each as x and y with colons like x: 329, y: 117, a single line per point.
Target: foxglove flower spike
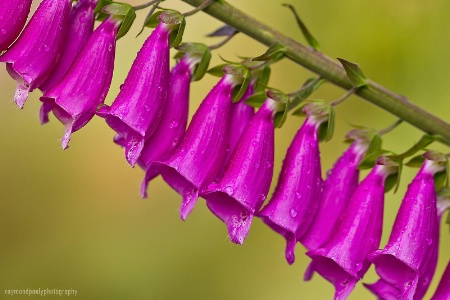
x: 75, y: 98
x: 246, y: 181
x: 297, y: 194
x: 197, y: 160
x: 13, y: 15
x: 32, y: 58
x: 138, y: 108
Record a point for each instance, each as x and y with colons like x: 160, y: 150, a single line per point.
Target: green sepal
x: 309, y: 87
x: 441, y: 177
x: 394, y: 172
x: 275, y: 52
x: 198, y: 52
x: 308, y: 36
x: 393, y: 180
x: 373, y: 152
x: 416, y: 161
x: 241, y: 72
x: 354, y: 73
x: 177, y: 21
x: 99, y: 7
x: 153, y: 20
x: 283, y: 103
x: 262, y: 78
x: 257, y: 99
x: 119, y: 11
x: 217, y: 70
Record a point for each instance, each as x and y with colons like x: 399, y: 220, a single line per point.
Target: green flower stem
x: 327, y: 68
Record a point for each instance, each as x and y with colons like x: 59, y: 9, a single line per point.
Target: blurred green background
x: 74, y: 218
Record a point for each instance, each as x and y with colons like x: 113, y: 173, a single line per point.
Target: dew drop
x: 429, y: 241
x: 146, y: 107
x: 358, y: 266
x: 46, y: 48
x: 3, y: 30
x: 293, y: 213
x: 229, y: 190
x: 298, y: 195
x: 255, y: 143
x: 174, y: 124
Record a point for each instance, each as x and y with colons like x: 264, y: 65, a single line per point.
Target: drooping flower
x: 80, y: 29
x: 138, y: 108
x: 75, y: 98
x: 294, y: 202
x: 32, y: 58
x: 411, y: 251
x: 342, y: 180
x: 197, y: 160
x: 170, y: 130
x: 244, y: 186
x: 443, y: 289
x: 13, y: 16
x: 342, y: 260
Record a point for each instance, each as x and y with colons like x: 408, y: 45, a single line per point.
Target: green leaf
x: 100, y: 5
x: 372, y: 153
x: 217, y: 70
x: 275, y: 52
x: 257, y: 99
x: 308, y: 36
x: 354, y: 73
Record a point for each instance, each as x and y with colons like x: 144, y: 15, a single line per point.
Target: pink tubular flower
x: 246, y: 181
x: 32, y: 58
x: 341, y: 182
x: 80, y: 29
x: 297, y: 194
x: 138, y: 108
x: 171, y: 129
x: 75, y: 98
x: 13, y: 16
x: 409, y: 260
x: 443, y: 289
x: 198, y: 158
x: 342, y: 260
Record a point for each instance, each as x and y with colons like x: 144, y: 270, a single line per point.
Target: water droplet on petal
x: 46, y: 48
x: 298, y: 195
x: 293, y: 213
x: 255, y: 143
x: 229, y: 190
x: 174, y: 124
x: 429, y: 241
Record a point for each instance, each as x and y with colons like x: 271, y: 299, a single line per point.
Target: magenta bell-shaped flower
x: 297, y: 194
x: 342, y: 260
x: 244, y: 186
x: 32, y: 58
x: 75, y: 98
x: 342, y: 180
x: 13, y: 15
x: 409, y: 259
x: 170, y: 130
x: 80, y: 29
x: 443, y: 289
x: 198, y: 159
x: 138, y: 108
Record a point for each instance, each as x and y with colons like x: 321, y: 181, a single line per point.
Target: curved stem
x: 327, y: 68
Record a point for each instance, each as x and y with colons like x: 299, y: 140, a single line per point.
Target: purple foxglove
x: 241, y: 114
x: 342, y: 181
x: 246, y: 181
x: 13, y: 15
x: 75, y: 98
x: 197, y: 160
x: 80, y: 29
x: 32, y: 58
x: 297, y: 194
x: 411, y: 251
x: 383, y: 290
x: 342, y: 260
x: 443, y: 289
x: 138, y: 108
x: 171, y: 129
